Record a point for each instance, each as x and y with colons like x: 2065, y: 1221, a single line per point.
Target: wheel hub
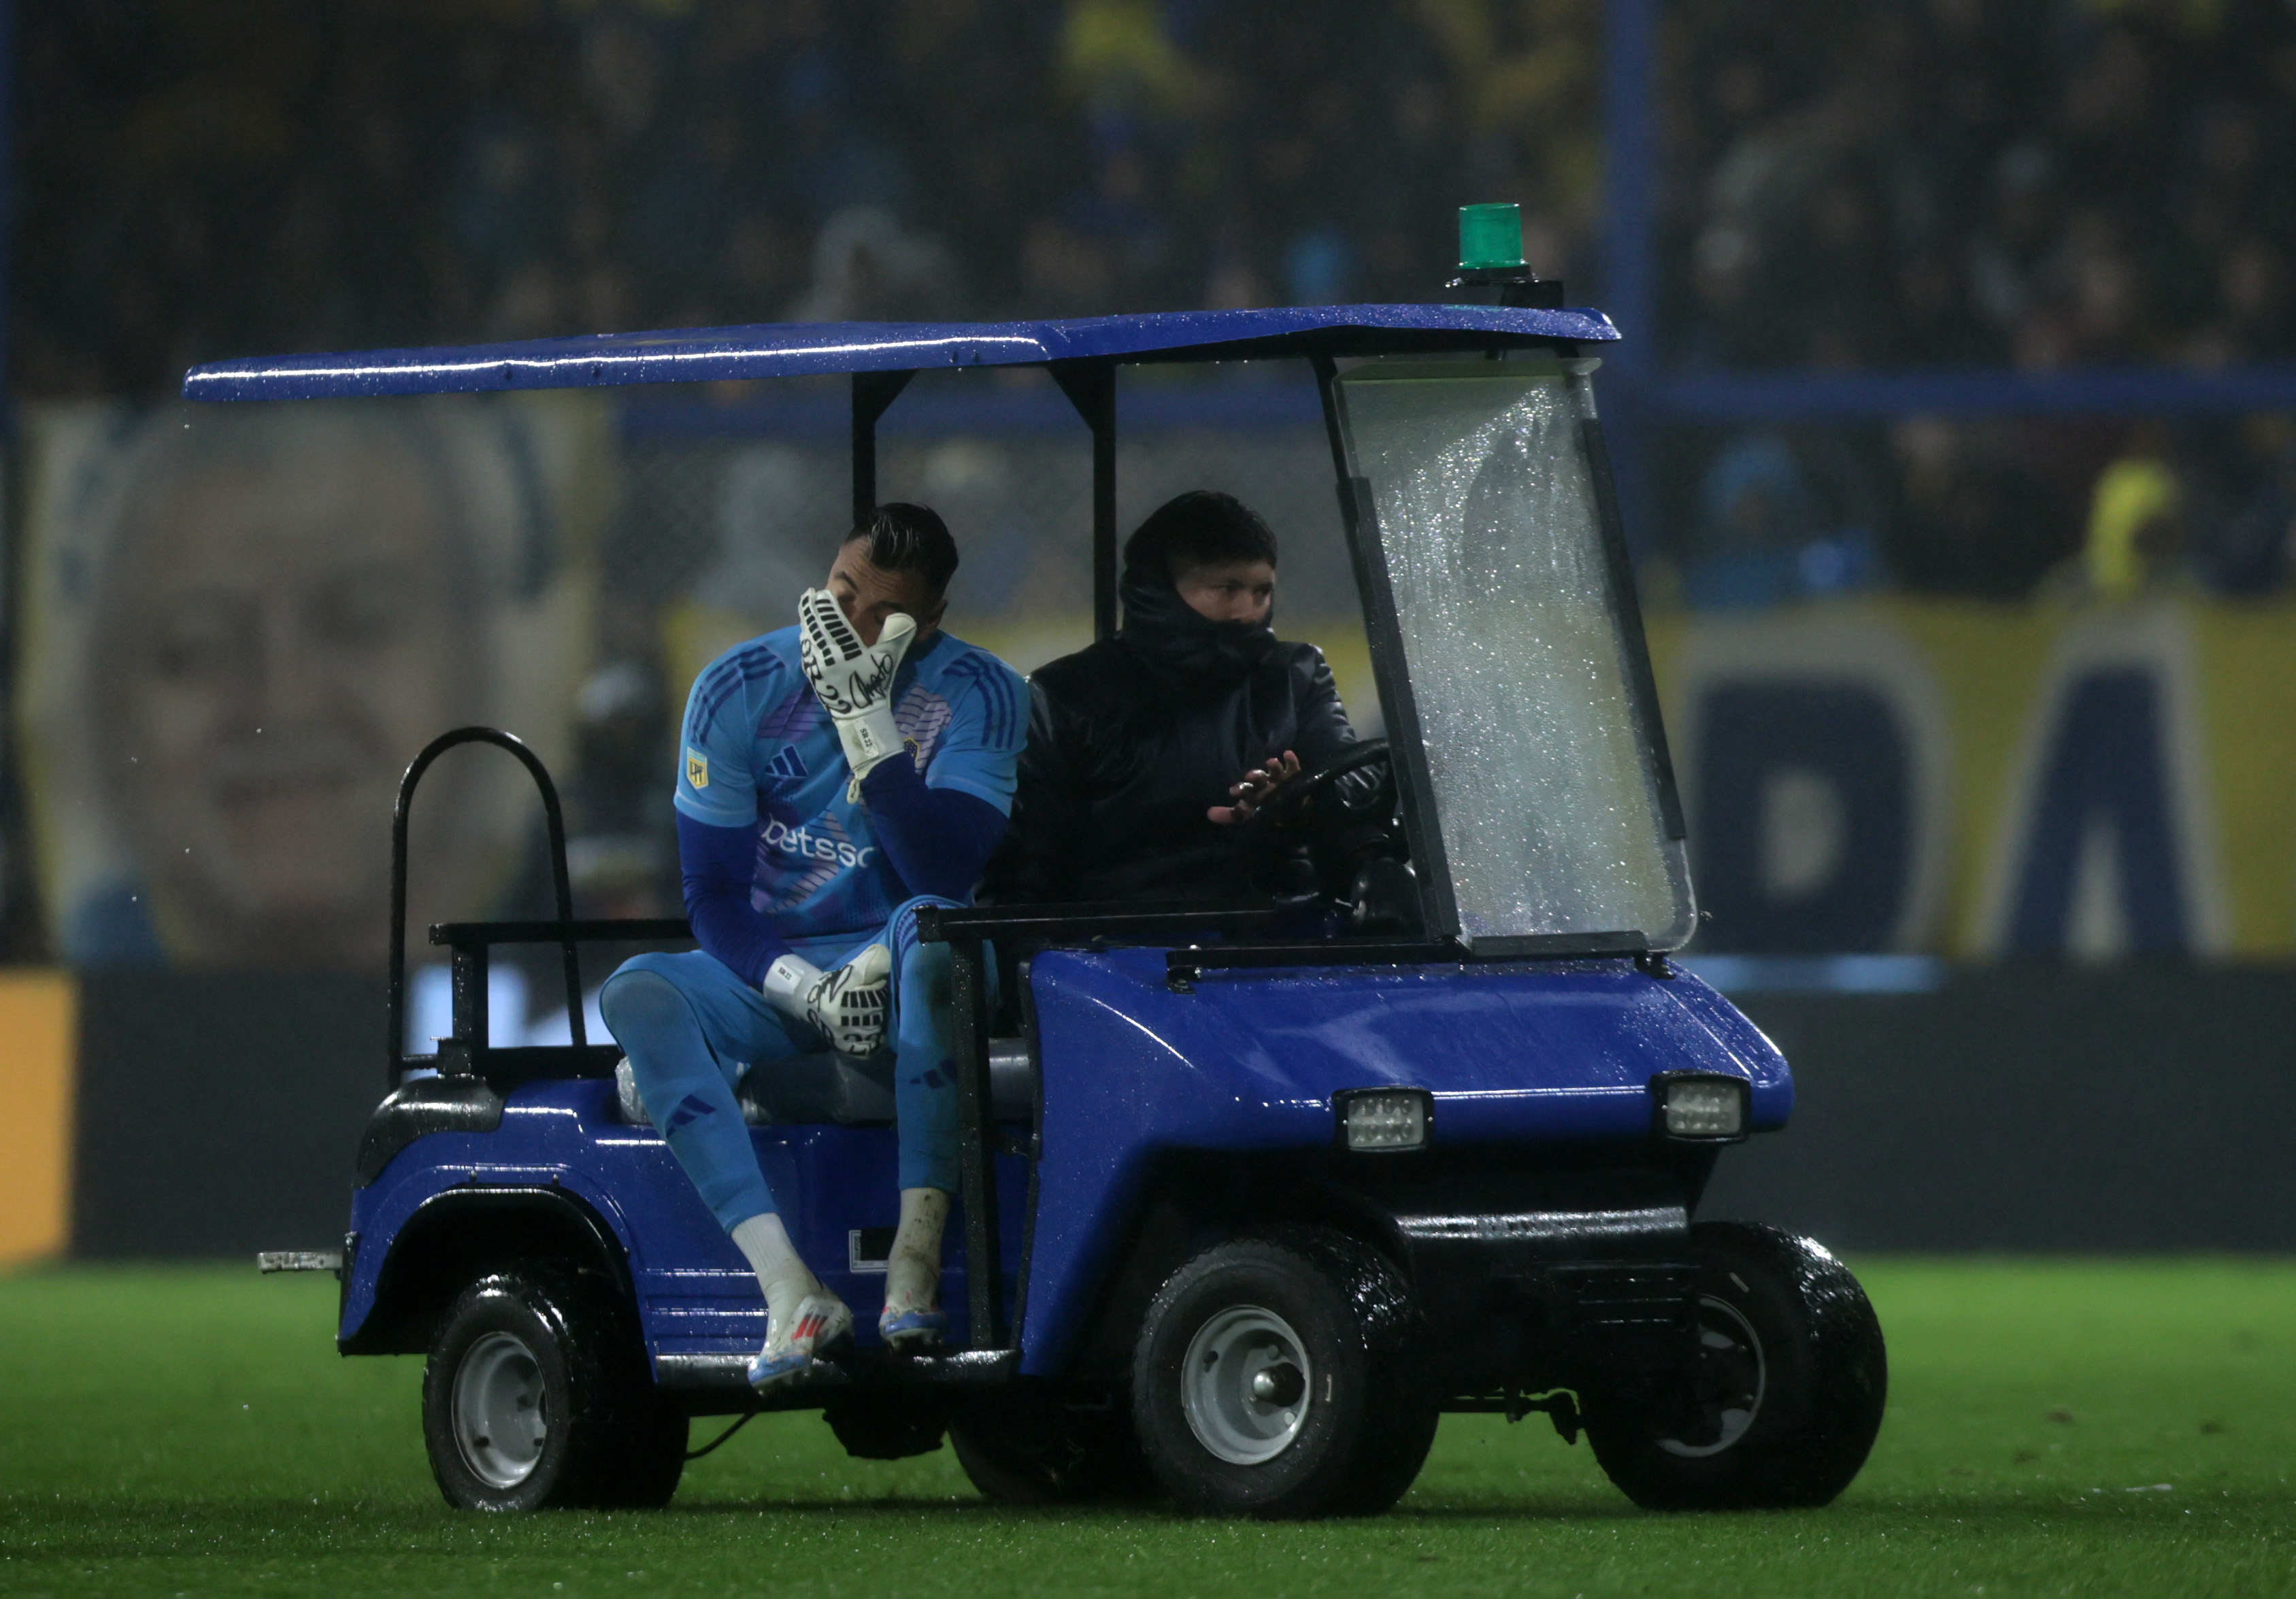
x: 1246, y: 1385
x: 1280, y: 1384
x: 497, y: 1411
x: 1732, y: 1377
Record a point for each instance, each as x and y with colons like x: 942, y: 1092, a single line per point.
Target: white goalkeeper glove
x: 850, y: 1005
x: 853, y: 681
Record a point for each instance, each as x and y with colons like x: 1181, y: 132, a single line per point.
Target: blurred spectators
x: 2136, y: 538
x: 1924, y: 183
x: 1905, y: 183
x: 1974, y: 181
x: 286, y: 175
x: 1776, y: 522
x: 1911, y: 181
x: 1975, y: 517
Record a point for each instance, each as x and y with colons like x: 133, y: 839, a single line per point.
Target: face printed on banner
x: 288, y: 625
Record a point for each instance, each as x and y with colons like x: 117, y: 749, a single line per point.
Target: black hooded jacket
x: 1132, y: 741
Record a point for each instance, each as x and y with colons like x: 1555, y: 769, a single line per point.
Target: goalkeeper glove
x: 849, y: 1005
x: 853, y: 681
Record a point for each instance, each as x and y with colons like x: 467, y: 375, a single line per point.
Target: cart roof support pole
x: 1091, y: 389
x: 873, y: 392
x: 984, y: 1269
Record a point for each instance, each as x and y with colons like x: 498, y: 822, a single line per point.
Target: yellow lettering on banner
x: 39, y: 1054
x: 2247, y: 659
x: 2224, y: 675
x: 1988, y: 661
x: 1975, y: 691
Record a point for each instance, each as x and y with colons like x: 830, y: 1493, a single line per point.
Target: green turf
x: 190, y: 1432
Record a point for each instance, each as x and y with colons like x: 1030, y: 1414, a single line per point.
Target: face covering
x: 1169, y: 635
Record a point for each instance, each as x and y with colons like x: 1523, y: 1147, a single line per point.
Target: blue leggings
x: 692, y: 1029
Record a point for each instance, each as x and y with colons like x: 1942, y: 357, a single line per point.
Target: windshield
x: 1520, y: 670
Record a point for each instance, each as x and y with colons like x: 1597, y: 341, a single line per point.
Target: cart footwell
x: 713, y: 1378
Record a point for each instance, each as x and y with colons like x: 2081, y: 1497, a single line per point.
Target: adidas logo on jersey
x: 787, y: 765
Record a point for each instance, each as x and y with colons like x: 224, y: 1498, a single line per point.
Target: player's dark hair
x: 902, y: 538
x: 1201, y: 527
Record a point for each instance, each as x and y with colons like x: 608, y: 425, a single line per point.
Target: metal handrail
x: 395, y: 1052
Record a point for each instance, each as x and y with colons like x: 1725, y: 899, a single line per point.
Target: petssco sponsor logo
x: 805, y: 844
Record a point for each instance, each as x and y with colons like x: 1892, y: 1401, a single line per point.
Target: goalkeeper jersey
x: 760, y: 752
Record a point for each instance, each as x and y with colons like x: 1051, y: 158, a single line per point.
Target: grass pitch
x: 2054, y: 1427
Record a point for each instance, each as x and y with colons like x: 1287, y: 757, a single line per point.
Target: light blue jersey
x: 760, y: 750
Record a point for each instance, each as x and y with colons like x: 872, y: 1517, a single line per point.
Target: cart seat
x: 826, y: 1086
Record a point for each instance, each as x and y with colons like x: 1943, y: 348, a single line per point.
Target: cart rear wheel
x: 1276, y: 1377
x: 1026, y: 1446
x: 536, y: 1395
x: 1783, y: 1399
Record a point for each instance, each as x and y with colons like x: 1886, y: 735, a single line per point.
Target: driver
x: 1147, y: 751
x: 834, y: 777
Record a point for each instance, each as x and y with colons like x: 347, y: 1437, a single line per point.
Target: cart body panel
x: 564, y: 1140
x: 1531, y: 1054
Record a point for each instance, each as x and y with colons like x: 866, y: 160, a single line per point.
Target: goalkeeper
x: 834, y: 776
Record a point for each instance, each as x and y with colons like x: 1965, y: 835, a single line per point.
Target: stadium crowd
x: 1968, y: 182
x: 1977, y: 183
x: 1981, y: 184
x: 283, y: 175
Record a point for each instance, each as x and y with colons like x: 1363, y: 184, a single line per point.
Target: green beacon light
x: 1490, y: 237
x: 1491, y: 263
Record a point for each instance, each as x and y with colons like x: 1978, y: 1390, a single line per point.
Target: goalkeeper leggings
x: 692, y: 1030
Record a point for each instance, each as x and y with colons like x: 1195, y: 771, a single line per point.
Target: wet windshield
x: 1547, y: 820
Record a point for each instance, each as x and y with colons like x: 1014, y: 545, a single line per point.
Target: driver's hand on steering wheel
x: 1253, y: 789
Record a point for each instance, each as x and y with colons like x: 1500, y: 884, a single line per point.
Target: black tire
x: 1345, y: 1436
x: 1789, y: 1393
x: 886, y: 1425
x: 564, y: 1346
x: 1027, y: 1445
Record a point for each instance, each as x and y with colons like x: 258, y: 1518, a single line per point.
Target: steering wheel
x: 1284, y: 807
x: 1359, y: 852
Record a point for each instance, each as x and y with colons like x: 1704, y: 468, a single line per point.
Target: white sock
x: 781, y: 1271
x: 913, y: 1265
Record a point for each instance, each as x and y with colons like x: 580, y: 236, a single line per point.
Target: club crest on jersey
x: 697, y: 768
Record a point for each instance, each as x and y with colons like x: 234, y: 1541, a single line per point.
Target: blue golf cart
x: 1251, y: 1192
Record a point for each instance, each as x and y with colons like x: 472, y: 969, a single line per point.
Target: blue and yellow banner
x: 1939, y: 777
x: 1976, y: 781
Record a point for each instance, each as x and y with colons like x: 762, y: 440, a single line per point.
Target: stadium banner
x: 1977, y: 782
x: 39, y: 1018
x: 1935, y: 777
x: 238, y: 623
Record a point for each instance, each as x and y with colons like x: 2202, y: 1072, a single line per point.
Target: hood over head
x: 1170, y: 636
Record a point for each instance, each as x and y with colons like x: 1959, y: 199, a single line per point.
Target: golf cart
x: 1244, y: 1208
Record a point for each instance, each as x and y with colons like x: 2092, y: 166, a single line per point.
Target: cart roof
x: 791, y: 349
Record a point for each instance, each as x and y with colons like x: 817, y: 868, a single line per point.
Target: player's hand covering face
x: 870, y: 595
x: 853, y: 681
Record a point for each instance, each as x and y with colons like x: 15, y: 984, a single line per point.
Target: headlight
x: 1384, y: 1118
x: 1709, y: 1108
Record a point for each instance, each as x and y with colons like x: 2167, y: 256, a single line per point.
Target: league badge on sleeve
x: 697, y: 768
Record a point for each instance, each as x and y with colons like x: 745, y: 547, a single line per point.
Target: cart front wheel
x: 536, y: 1395
x: 1276, y: 1377
x: 1783, y: 1394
